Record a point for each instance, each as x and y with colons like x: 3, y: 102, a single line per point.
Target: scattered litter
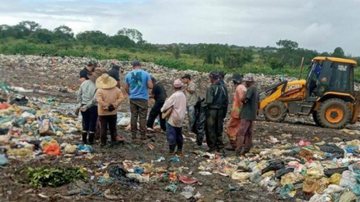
x: 187, y: 180
x: 171, y: 188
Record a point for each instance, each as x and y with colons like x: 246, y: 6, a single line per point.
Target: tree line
x: 286, y: 54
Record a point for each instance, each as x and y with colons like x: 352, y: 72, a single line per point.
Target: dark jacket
x: 114, y: 72
x: 217, y: 96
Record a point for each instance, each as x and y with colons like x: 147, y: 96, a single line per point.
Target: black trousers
x: 105, y: 123
x: 154, y: 112
x: 89, y: 118
x: 214, y: 128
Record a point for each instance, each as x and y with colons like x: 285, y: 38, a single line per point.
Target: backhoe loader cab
x: 327, y: 94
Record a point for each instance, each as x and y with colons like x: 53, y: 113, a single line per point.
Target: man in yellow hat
x: 109, y: 98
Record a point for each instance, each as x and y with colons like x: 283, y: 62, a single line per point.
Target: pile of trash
x: 32, y: 128
x: 319, y: 172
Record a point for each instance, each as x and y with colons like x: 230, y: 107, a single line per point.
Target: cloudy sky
x: 315, y: 24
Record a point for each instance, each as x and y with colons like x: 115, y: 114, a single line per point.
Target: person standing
x: 137, y: 84
x: 234, y: 122
x: 191, y: 100
x: 177, y: 104
x: 88, y: 70
x: 216, y: 96
x: 247, y: 115
x: 159, y: 95
x: 114, y: 72
x: 109, y: 98
x: 88, y: 108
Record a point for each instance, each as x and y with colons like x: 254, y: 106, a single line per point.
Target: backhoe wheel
x: 275, y: 111
x: 315, y: 118
x: 334, y: 113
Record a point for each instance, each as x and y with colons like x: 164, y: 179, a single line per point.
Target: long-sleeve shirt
x: 217, y: 96
x: 178, y: 101
x: 105, y: 97
x: 239, y: 97
x: 86, y: 94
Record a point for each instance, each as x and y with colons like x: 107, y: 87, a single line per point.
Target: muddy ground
x: 211, y: 188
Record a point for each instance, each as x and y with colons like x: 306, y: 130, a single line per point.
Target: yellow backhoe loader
x: 327, y: 94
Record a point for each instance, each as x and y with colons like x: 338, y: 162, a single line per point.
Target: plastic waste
x: 84, y: 148
x: 287, y: 191
x: 187, y: 180
x: 3, y: 160
x: 312, y: 185
x: 140, y: 178
x: 188, y: 192
x: 291, y: 178
x: 303, y: 143
x: 347, y: 179
x: 283, y: 171
x: 330, y: 172
x: 138, y: 170
x: 240, y: 176
x: 333, y: 188
x: 273, y: 165
x: 335, y: 178
x: 70, y: 149
x: 4, y: 105
x: 351, y: 149
x: 172, y: 176
x: 333, y: 149
x: 105, y: 179
x: 51, y: 148
x: 174, y: 159
x: 171, y: 188
x: 205, y: 173
x: 160, y: 159
x: 347, y: 196
x: 320, y: 198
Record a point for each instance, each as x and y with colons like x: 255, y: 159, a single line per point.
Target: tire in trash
x: 275, y: 111
x: 333, y: 113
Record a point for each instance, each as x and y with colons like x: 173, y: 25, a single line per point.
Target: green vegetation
x: 28, y: 37
x: 53, y: 177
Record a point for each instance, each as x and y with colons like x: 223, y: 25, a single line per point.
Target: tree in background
x: 93, y: 37
x: 133, y: 34
x: 287, y: 44
x: 338, y: 52
x: 237, y: 58
x: 63, y: 33
x: 176, y: 51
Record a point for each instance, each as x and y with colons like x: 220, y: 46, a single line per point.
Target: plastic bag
x: 287, y: 191
x: 52, y: 148
x: 291, y: 178
x: 320, y: 198
x: 241, y: 176
x: 312, y: 185
x: 347, y: 196
x: 3, y: 160
x: 347, y: 179
x: 335, y: 178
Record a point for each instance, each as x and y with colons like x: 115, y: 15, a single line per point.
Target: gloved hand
x: 111, y: 108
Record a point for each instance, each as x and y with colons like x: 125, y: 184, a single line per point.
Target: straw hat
x: 105, y: 82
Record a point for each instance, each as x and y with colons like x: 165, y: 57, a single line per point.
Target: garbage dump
x: 41, y: 154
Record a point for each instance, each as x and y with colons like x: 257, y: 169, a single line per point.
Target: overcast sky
x: 320, y: 25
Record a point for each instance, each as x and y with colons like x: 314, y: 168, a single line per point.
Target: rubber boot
x: 91, y: 137
x: 84, y: 137
x: 172, y: 149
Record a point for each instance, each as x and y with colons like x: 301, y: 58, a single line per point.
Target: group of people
x: 101, y: 93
